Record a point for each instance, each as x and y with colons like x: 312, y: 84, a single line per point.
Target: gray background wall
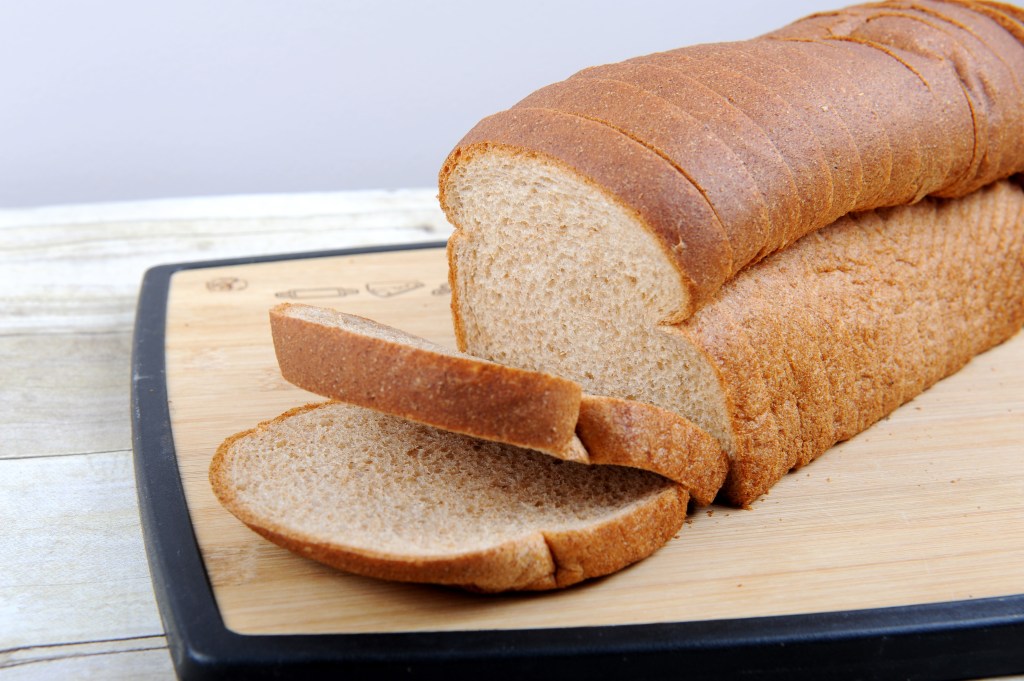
x: 129, y: 99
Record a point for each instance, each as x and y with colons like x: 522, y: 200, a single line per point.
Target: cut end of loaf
x: 549, y: 274
x: 383, y: 497
x: 499, y: 190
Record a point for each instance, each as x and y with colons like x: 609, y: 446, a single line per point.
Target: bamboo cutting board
x: 927, y: 506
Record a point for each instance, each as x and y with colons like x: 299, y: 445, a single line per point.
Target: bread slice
x: 382, y: 496
x: 806, y: 348
x: 357, y: 360
x: 363, y: 362
x: 639, y: 188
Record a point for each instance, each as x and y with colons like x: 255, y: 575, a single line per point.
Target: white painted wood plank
x: 75, y: 594
x: 72, y: 564
x: 68, y: 293
x: 84, y: 274
x: 134, y: 658
x: 64, y: 393
x: 230, y: 206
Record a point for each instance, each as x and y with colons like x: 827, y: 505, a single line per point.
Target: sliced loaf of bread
x: 381, y: 496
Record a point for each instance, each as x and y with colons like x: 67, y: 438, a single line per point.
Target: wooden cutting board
x: 927, y: 506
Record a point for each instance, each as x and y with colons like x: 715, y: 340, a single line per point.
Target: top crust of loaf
x: 384, y: 497
x: 867, y: 107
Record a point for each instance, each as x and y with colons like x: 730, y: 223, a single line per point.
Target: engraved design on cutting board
x: 226, y: 284
x: 442, y: 290
x: 317, y: 292
x: 389, y: 289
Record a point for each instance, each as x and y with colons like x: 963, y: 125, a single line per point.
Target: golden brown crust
x: 941, y: 100
x: 458, y: 325
x: 677, y: 137
x: 610, y: 546
x: 537, y: 561
x: 714, y: 113
x: 969, y: 63
x: 756, y: 456
x: 629, y: 433
x: 888, y: 91
x: 525, y: 565
x: 824, y: 88
x: 1006, y: 14
x: 892, y: 301
x: 722, y: 69
x: 457, y: 393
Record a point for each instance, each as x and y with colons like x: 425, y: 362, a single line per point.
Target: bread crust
x: 895, y: 300
x: 756, y: 459
x: 538, y: 560
x: 628, y: 433
x: 834, y: 93
x: 793, y: 135
x: 942, y: 80
x: 800, y: 124
x: 681, y: 140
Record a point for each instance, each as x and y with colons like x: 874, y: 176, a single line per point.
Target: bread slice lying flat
x: 360, y: 361
x: 382, y: 496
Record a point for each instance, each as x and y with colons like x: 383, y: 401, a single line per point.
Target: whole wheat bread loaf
x: 381, y: 496
x: 627, y: 218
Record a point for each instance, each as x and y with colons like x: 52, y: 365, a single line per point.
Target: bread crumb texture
x: 383, y: 496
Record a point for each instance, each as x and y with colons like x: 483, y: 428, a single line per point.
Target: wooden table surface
x: 75, y: 594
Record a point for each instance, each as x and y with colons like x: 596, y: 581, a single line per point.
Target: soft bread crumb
x: 386, y: 489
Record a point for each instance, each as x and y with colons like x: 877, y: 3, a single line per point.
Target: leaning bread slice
x: 360, y: 361
x: 385, y: 497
